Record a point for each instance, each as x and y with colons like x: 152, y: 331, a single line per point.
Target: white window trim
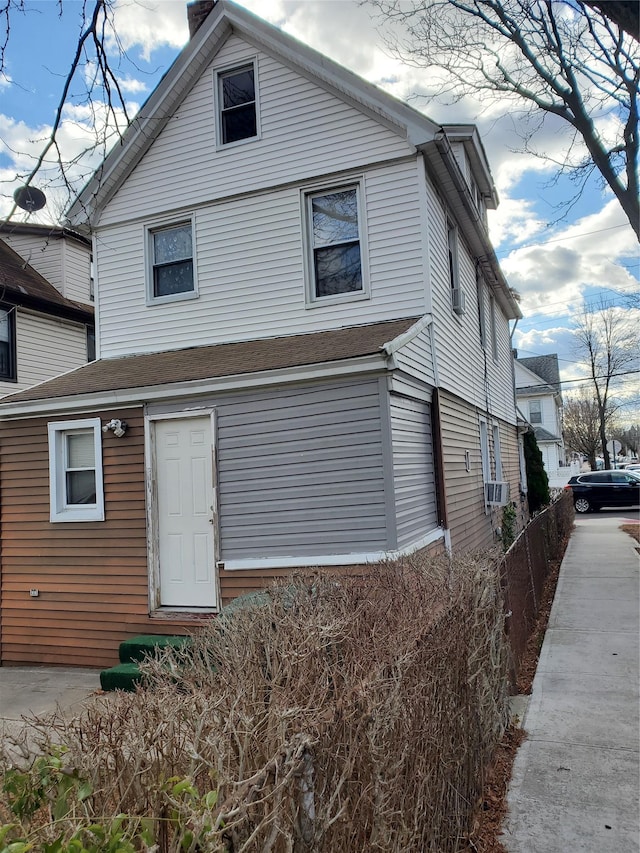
x: 59, y: 510
x: 485, y: 456
x: 453, y: 261
x: 306, y: 194
x: 482, y: 318
x: 217, y: 102
x: 497, y: 453
x: 149, y: 229
x: 531, y: 412
x: 494, y: 327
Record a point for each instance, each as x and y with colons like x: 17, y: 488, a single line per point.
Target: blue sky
x: 553, y: 262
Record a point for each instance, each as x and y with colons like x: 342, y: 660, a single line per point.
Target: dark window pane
x: 238, y: 88
x: 81, y: 487
x: 91, y: 343
x: 5, y: 359
x: 335, y: 218
x: 338, y: 270
x: 173, y: 278
x: 239, y: 123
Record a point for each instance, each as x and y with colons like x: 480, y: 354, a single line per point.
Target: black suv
x: 604, y: 488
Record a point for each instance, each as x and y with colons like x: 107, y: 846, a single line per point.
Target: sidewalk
x: 575, y: 785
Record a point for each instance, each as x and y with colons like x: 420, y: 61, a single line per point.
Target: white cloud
x: 150, y: 25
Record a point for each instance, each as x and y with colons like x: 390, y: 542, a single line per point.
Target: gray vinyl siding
x: 64, y: 263
x: 413, y: 469
x: 300, y: 472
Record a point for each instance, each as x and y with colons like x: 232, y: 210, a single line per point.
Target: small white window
x: 237, y: 104
x: 335, y: 258
x: 452, y: 247
x: 482, y: 321
x: 75, y: 470
x: 171, y: 273
x: 497, y: 454
x: 484, y: 452
x: 535, y: 411
x: 494, y: 330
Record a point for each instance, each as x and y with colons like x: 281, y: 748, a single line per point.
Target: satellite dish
x: 29, y: 198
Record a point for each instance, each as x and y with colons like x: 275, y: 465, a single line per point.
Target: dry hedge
x: 337, y: 715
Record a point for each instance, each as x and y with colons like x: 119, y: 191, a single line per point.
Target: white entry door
x: 185, y: 500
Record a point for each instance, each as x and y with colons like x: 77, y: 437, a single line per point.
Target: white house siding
x: 63, y: 262
x: 300, y: 471
x: 416, y: 358
x: 464, y: 367
x: 250, y: 271
x: 305, y: 132
x: 44, y: 255
x: 45, y: 348
x: 77, y: 271
x: 413, y: 469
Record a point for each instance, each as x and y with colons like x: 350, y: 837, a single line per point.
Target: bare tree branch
x: 559, y: 57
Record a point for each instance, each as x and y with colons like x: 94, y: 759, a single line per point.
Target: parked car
x: 632, y: 466
x: 596, y: 489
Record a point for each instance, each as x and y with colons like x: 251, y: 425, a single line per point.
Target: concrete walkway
x: 575, y: 785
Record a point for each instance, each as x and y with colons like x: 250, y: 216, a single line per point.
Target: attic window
x: 237, y: 105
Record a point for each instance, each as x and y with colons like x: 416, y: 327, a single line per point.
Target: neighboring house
x: 304, y: 354
x: 46, y: 318
x: 539, y: 397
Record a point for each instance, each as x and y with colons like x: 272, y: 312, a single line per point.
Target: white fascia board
x: 291, y: 561
x: 148, y: 123
x: 470, y: 137
x: 402, y: 340
x: 225, y: 18
x: 377, y: 362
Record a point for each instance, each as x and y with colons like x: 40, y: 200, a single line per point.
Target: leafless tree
x: 556, y: 58
x: 607, y: 340
x: 91, y: 84
x: 581, y: 426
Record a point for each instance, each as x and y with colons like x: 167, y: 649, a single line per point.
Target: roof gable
x: 224, y: 20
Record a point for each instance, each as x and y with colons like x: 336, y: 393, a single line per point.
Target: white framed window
x: 237, y: 115
x: 75, y: 470
x: 170, y: 262
x: 482, y: 320
x: 494, y: 329
x: 8, y: 344
x: 535, y: 411
x: 452, y: 250
x: 335, y: 246
x: 484, y: 452
x: 497, y: 453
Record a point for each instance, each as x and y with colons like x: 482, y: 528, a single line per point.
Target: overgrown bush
x: 356, y: 714
x: 537, y: 480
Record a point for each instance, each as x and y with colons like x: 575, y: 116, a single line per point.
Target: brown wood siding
x: 91, y: 576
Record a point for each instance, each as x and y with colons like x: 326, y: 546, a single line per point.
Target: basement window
x: 75, y: 471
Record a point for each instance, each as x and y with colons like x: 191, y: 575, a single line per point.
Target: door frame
x: 151, y: 498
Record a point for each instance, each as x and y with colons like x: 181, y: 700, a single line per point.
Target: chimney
x: 196, y: 13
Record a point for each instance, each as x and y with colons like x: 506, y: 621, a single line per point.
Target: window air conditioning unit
x: 496, y: 494
x: 458, y: 300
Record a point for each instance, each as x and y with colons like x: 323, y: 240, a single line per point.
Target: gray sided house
x: 303, y: 354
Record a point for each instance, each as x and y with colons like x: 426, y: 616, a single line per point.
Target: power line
x: 582, y: 379
x: 561, y: 239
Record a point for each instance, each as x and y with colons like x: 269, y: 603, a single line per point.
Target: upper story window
x: 535, y: 411
x: 75, y: 470
x: 494, y: 327
x: 335, y: 260
x: 237, y: 104
x: 7, y: 344
x: 171, y: 272
x: 457, y: 294
x: 482, y: 320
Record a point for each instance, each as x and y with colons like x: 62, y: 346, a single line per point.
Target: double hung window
x: 75, y: 470
x: 237, y: 104
x: 535, y: 411
x: 335, y: 255
x: 171, y: 262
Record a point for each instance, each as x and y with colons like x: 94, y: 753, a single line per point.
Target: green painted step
x: 127, y: 675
